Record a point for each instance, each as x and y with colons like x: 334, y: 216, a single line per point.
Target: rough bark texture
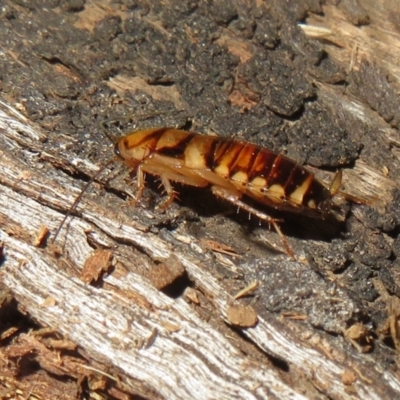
x: 131, y: 302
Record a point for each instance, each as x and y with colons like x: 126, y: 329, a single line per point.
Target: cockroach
x: 230, y: 167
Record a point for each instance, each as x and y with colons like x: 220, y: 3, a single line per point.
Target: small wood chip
x: 164, y: 274
x: 357, y: 331
x: 358, y: 336
x: 48, y: 302
x: 60, y: 344
x: 170, y: 326
x: 41, y: 236
x: 316, y: 32
x: 241, y: 316
x: 98, y: 263
x: 9, y: 332
x: 295, y: 316
x: 97, y: 383
x: 148, y: 342
x: 348, y: 377
x: 191, y: 295
x: 249, y: 289
x: 219, y: 247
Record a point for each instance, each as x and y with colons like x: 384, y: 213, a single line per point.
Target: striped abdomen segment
x: 270, y: 178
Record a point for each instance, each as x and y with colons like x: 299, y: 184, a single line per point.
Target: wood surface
x: 159, y: 322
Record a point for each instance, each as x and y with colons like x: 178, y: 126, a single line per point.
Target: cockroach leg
x: 286, y: 244
x: 170, y: 193
x: 140, y: 185
x: 167, y: 174
x: 234, y: 198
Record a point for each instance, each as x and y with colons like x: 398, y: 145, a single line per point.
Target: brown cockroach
x: 230, y: 167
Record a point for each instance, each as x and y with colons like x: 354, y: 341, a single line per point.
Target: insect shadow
x: 204, y: 205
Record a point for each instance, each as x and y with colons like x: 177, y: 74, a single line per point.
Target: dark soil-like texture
x: 134, y: 302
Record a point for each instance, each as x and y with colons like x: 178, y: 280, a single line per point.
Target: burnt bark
x: 158, y: 318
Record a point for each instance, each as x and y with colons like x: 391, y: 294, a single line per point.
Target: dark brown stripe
x: 221, y: 147
x: 281, y: 171
x: 262, y: 165
x: 211, y: 152
x: 150, y: 139
x: 245, y: 159
x: 231, y: 154
x: 296, y: 179
x: 178, y: 149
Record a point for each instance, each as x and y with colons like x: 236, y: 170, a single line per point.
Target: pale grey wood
x: 189, y: 358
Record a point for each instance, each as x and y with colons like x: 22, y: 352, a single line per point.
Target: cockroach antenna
x: 79, y: 197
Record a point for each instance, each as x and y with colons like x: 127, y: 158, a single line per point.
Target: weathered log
x: 161, y: 321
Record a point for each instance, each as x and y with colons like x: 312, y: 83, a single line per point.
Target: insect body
x: 232, y: 169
